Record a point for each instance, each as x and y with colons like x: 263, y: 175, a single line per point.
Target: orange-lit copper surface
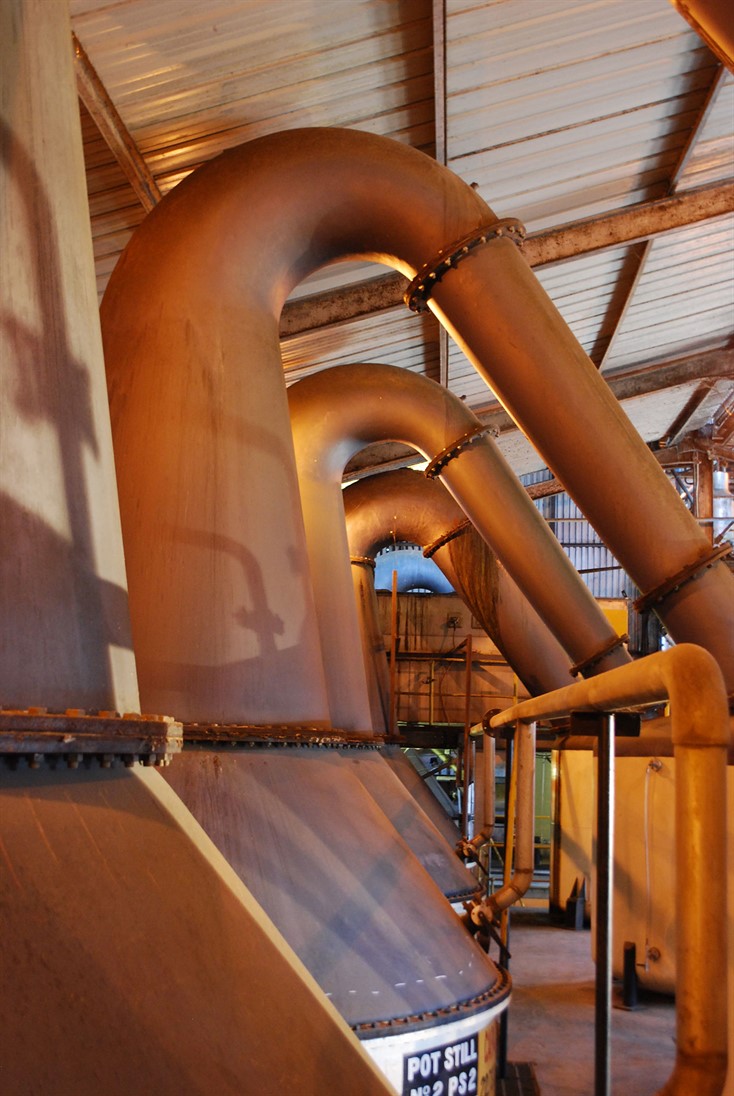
x: 403, y: 505
x: 334, y: 414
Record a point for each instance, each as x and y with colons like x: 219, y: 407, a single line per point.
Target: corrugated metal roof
x: 685, y: 299
x: 557, y: 109
x: 563, y: 111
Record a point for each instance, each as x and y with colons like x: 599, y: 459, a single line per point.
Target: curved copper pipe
x: 712, y: 21
x: 543, y: 378
x: 220, y: 595
x: 404, y: 505
x: 338, y: 411
x: 521, y: 876
x: 190, y: 323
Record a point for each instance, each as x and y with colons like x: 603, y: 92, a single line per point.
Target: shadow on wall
x: 60, y: 619
x: 41, y: 647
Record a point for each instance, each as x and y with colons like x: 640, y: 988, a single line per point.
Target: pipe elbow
x: 704, y: 1074
x: 506, y: 896
x: 696, y: 689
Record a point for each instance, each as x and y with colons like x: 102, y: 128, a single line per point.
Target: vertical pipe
x: 62, y: 572
x: 466, y: 744
x: 488, y: 746
x: 701, y: 934
x: 509, y: 842
x: 704, y: 489
x: 555, y: 878
x: 604, y: 869
x: 393, y: 720
x: 507, y: 851
x: 373, y: 643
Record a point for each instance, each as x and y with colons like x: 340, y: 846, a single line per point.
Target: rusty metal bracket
x: 686, y: 574
x: 362, y: 561
x: 419, y: 291
x: 456, y: 448
x: 268, y: 735
x: 76, y: 735
x: 591, y: 661
x: 457, y: 531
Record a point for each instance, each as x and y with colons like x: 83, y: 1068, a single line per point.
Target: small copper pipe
x: 467, y: 744
x: 517, y: 882
x: 691, y: 680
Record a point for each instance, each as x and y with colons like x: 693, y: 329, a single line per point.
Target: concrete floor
x: 551, y: 1017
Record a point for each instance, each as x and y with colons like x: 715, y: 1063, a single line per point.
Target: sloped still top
x: 137, y: 964
x: 340, y: 884
x: 430, y: 837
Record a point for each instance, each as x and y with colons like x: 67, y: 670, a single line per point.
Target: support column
x: 66, y: 636
x: 704, y: 487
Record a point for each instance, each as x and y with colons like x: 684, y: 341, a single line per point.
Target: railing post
x: 603, y: 905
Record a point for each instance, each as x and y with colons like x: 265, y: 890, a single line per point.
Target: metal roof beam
x: 624, y: 226
x: 627, y: 384
x: 115, y: 134
x: 637, y: 258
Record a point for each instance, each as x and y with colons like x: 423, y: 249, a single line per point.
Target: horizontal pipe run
x: 691, y: 680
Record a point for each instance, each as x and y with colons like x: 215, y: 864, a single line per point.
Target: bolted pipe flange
x: 686, y: 574
x: 418, y: 293
x: 445, y: 538
x: 77, y: 736
x: 455, y: 449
